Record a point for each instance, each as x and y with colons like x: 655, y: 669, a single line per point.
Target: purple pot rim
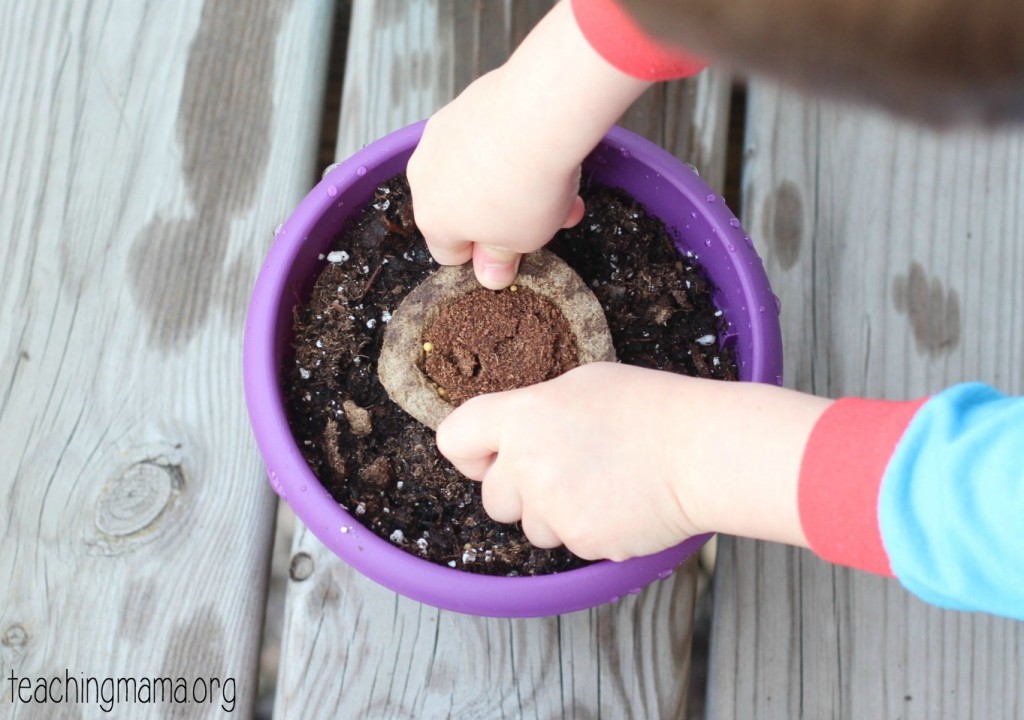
x: 402, y: 571
x: 766, y: 366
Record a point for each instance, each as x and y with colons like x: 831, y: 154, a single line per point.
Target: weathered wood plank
x: 354, y: 649
x: 898, y: 254
x: 150, y: 149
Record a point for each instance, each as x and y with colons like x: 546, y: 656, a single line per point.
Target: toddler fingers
x: 469, y: 437
x: 575, y: 213
x: 450, y: 252
x: 496, y: 267
x: 501, y: 496
x: 538, y: 532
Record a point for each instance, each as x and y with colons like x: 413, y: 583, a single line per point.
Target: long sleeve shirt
x: 930, y: 491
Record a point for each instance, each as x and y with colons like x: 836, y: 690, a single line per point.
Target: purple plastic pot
x: 670, y: 190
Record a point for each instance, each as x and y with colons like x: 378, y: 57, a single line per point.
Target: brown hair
x: 941, y: 61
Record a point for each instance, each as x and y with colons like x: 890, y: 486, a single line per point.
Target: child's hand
x: 497, y: 171
x: 614, y: 461
x: 483, y: 190
x: 582, y: 460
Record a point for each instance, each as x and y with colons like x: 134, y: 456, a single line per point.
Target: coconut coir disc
x: 486, y: 341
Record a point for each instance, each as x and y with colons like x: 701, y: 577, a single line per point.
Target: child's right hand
x: 483, y: 190
x: 497, y: 171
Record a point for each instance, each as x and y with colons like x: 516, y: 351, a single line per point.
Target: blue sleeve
x: 951, y: 503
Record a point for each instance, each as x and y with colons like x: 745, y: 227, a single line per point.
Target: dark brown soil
x: 486, y: 341
x: 382, y: 465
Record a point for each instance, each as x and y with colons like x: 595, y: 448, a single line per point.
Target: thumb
x: 496, y: 267
x: 469, y: 436
x: 576, y: 213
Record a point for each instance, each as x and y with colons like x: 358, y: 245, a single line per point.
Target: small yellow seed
x: 441, y: 391
x: 427, y: 347
x: 513, y: 288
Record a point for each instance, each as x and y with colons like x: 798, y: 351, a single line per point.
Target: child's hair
x: 940, y: 61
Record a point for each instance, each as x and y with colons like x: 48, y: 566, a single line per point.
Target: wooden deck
x: 151, y: 148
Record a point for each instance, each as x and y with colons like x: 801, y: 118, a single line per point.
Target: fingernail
x: 497, y: 275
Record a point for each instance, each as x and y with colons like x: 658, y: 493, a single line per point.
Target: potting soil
x: 380, y: 463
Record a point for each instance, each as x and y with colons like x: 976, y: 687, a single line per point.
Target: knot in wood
x: 134, y: 501
x: 301, y: 567
x: 15, y: 636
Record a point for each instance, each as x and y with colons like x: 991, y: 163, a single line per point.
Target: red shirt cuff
x: 840, y: 476
x: 620, y: 40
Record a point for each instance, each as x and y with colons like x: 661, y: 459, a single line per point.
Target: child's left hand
x: 580, y: 460
x: 615, y: 461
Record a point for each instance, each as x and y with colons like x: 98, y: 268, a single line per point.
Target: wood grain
x: 898, y: 254
x: 150, y: 150
x: 354, y: 649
